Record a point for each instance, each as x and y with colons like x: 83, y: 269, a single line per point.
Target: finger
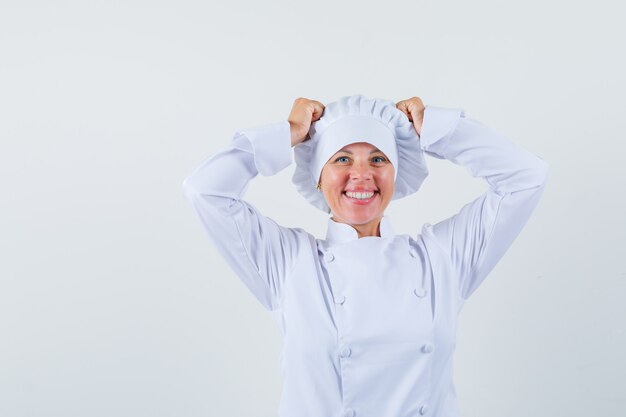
x: 406, y: 109
x: 401, y: 105
x: 318, y: 110
x: 416, y: 100
x: 416, y: 107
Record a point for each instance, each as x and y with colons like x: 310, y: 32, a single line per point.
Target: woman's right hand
x: 303, y: 113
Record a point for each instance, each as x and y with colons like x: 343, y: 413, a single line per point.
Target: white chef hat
x: 360, y: 119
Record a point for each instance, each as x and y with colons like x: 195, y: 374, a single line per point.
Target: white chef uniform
x: 369, y: 324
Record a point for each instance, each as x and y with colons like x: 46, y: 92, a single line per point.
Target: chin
x: 355, y: 218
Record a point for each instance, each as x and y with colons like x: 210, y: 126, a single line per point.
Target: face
x: 358, y: 167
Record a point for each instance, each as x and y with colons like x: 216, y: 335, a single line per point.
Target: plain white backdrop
x: 113, y: 301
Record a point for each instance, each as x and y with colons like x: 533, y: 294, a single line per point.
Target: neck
x: 366, y: 229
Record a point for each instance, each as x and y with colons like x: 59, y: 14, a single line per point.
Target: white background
x: 113, y: 301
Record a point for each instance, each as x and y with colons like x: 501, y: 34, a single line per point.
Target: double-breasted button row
x: 420, y: 292
x: 427, y: 348
x: 340, y: 299
x: 345, y: 352
x: 349, y: 412
x: 423, y: 409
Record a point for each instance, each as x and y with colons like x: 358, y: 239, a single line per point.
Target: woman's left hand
x: 414, y: 109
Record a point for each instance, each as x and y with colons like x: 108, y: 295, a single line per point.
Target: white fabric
x: 369, y: 324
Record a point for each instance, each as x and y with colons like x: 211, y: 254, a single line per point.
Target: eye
x: 382, y: 159
x: 341, y: 157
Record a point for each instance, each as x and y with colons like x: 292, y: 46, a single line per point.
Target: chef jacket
x: 368, y: 324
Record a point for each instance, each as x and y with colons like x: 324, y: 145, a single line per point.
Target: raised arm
x: 477, y: 236
x: 257, y: 249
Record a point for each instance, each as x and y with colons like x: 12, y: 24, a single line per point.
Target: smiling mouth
x: 361, y: 200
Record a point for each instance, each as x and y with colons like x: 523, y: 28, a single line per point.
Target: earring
x: 318, y: 186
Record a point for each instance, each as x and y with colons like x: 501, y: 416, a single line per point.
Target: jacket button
x: 340, y: 299
x: 423, y: 409
x: 413, y: 252
x: 345, y: 352
x: 420, y: 292
x: 427, y: 348
x: 349, y: 412
x: 328, y: 257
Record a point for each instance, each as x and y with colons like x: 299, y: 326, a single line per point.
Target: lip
x: 360, y: 202
x: 361, y: 190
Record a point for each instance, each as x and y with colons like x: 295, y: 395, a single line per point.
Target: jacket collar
x: 337, y: 233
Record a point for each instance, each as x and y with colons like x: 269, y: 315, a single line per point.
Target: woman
x: 368, y: 316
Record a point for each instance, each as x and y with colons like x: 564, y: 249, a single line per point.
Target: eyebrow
x: 373, y: 151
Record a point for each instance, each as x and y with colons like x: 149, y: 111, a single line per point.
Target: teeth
x: 360, y: 196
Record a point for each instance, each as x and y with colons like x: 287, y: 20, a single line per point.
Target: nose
x: 361, y: 170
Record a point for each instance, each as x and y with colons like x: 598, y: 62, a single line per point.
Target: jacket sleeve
x: 477, y: 237
x: 257, y: 249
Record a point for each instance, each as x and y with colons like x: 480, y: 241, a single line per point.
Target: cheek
x: 387, y: 179
x: 332, y: 178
